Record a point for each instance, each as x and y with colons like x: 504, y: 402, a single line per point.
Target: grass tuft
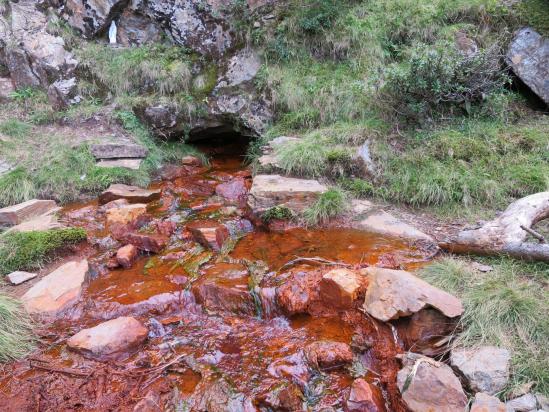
x: 15, y: 128
x: 16, y: 338
x: 329, y: 204
x: 277, y: 213
x: 16, y: 186
x: 505, y: 307
x: 30, y: 250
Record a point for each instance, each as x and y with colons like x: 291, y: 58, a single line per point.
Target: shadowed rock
x: 132, y: 194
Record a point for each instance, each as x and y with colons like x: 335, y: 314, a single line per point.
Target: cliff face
x: 220, y: 59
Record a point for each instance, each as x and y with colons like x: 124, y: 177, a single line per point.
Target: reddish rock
x: 132, y: 194
x: 486, y: 403
x: 165, y: 227
x: 112, y: 263
x: 298, y: 292
x: 191, y: 161
x: 172, y: 172
x: 110, y: 340
x: 363, y: 397
x: 115, y: 204
x: 125, y: 214
x: 147, y: 242
x: 126, y: 256
x: 285, y: 397
x: 328, y: 355
x: 340, y: 288
x: 209, y: 233
x: 233, y: 190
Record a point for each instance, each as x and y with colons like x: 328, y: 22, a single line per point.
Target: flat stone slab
x: 385, y: 224
x: 273, y: 190
x: 43, y: 222
x: 58, y: 290
x: 118, y: 150
x: 13, y: 215
x: 392, y: 294
x: 132, y: 194
x: 16, y: 278
x: 133, y: 164
x: 111, y: 339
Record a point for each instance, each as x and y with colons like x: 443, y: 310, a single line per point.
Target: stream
x: 218, y: 338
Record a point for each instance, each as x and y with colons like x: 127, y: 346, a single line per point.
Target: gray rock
x: 118, y: 150
x: 16, y: 278
x: 384, y: 223
x: 543, y: 401
x: 528, y: 56
x: 524, y: 403
x: 63, y: 93
x: 92, y: 17
x: 242, y: 68
x: 20, y: 69
x: 136, y: 29
x: 486, y: 369
x: 6, y: 88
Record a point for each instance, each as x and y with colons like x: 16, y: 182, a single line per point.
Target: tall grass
x: 16, y: 338
x: 329, y: 204
x: 16, y: 186
x: 505, y: 307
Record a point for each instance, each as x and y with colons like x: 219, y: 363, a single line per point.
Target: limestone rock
x: 118, y: 150
x: 486, y: 369
x: 273, y: 190
x: 395, y: 293
x: 16, y: 278
x: 111, y: 339
x: 433, y: 386
x: 328, y: 355
x: 362, y: 398
x: 487, y: 403
x: 209, y: 233
x: 125, y: 214
x: 383, y: 223
x: 132, y: 194
x: 63, y: 93
x: 528, y: 56
x: 340, y: 287
x: 242, y: 68
x: 133, y: 164
x: 524, y: 403
x: 58, y: 290
x: 126, y: 255
x: 14, y: 215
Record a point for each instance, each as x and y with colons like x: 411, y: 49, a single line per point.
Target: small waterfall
x: 268, y: 302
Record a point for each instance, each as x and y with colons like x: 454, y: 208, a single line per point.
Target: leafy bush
x: 438, y: 81
x: 30, y: 250
x: 329, y: 204
x: 16, y: 338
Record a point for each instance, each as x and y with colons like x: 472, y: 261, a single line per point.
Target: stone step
x: 118, y: 150
x: 133, y: 164
x: 16, y: 214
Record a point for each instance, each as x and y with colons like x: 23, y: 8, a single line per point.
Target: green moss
x: 16, y: 337
x: 277, y: 213
x: 30, y: 250
x: 359, y: 188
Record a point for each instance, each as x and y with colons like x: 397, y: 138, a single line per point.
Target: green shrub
x: 318, y: 15
x: 359, y: 188
x: 329, y: 204
x: 16, y: 186
x: 277, y: 213
x: 16, y: 338
x: 14, y: 128
x: 30, y: 250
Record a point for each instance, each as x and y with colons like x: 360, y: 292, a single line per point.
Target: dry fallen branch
x: 535, y: 234
x: 506, y: 234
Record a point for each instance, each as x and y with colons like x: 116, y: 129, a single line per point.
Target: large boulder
x: 135, y: 29
x: 58, y: 290
x: 393, y: 294
x: 486, y: 369
x: 273, y: 190
x: 528, y: 56
x: 62, y: 93
x: 115, y: 338
x: 428, y: 385
x: 16, y: 214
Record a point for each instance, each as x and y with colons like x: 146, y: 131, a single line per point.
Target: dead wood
x: 506, y: 234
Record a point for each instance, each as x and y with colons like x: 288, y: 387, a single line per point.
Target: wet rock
x: 340, y: 287
x: 191, y: 161
x: 58, y: 290
x: 383, y: 223
x: 363, y: 397
x: 165, y: 227
x: 147, y: 242
x: 16, y: 278
x: 395, y: 293
x: 16, y: 214
x: 62, y: 93
x: 126, y: 256
x: 298, y: 292
x: 209, y: 233
x: 427, y: 331
x: 486, y: 403
x: 125, y: 214
x: 428, y: 385
x: 524, y: 403
x: 118, y: 150
x: 233, y: 190
x: 528, y: 56
x: 150, y: 403
x: 111, y: 339
x: 218, y: 396
x: 328, y: 355
x: 132, y: 194
x: 92, y: 18
x: 283, y: 397
x: 486, y: 369
x: 273, y: 190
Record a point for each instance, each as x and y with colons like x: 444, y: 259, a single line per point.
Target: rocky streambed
x: 183, y: 299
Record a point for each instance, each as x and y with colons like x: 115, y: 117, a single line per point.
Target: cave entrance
x: 222, y: 143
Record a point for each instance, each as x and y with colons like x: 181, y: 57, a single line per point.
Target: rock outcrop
x: 58, y: 290
x: 486, y: 369
x: 115, y: 338
x: 528, y: 56
x: 392, y: 294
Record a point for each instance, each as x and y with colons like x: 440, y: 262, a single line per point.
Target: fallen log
x: 505, y: 235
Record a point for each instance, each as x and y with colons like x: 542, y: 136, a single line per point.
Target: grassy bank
x: 16, y: 337
x: 504, y: 307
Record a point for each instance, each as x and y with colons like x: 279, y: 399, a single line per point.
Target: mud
x: 218, y: 340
